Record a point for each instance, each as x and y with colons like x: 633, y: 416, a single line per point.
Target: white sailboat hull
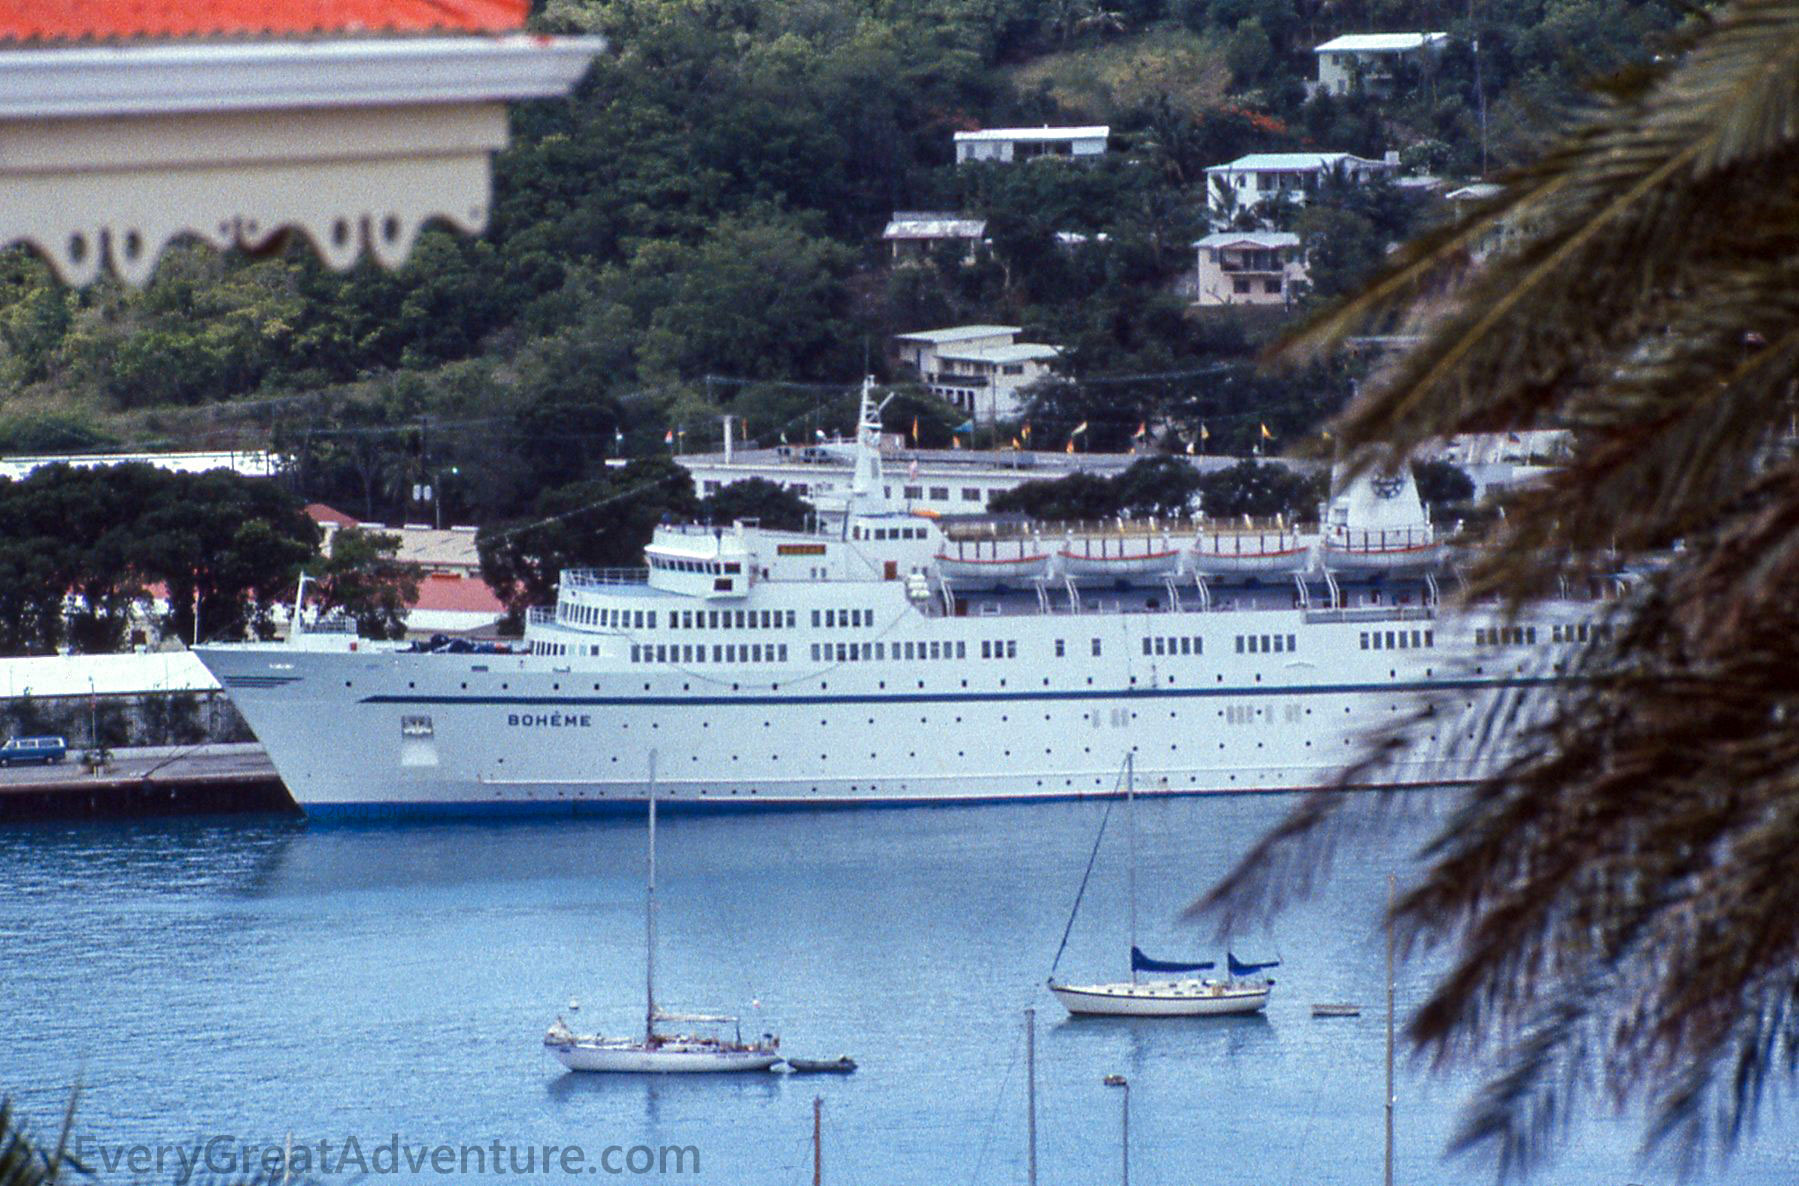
x: 670, y: 1057
x: 1163, y: 998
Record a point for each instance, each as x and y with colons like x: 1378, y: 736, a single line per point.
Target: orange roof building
x: 127, y: 123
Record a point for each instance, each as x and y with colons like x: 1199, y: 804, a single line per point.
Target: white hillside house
x: 1249, y: 268
x: 1370, y: 57
x: 1023, y: 144
x: 1261, y: 177
x: 982, y: 369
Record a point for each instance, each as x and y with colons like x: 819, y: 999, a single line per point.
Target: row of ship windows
x: 611, y: 619
x: 1503, y: 636
x: 730, y: 652
x: 863, y: 652
x: 713, y: 567
x: 1397, y: 640
x: 731, y: 619
x: 889, y: 533
x: 1186, y: 644
x: 1266, y: 644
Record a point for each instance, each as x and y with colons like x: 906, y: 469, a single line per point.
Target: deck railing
x: 597, y: 578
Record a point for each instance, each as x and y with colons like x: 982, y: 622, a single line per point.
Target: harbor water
x: 256, y: 983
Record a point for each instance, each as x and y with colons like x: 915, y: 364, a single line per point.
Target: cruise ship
x: 889, y: 657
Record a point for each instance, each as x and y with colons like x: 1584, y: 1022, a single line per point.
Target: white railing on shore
x: 539, y: 615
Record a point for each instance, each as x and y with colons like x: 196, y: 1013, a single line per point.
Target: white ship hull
x: 672, y: 1058
x: 1162, y: 998
x: 372, y: 733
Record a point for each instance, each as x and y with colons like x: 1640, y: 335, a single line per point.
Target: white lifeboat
x: 1119, y: 554
x: 1250, y: 552
x: 992, y: 558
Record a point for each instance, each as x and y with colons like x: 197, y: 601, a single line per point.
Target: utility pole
x: 1388, y: 1179
x: 818, y: 1105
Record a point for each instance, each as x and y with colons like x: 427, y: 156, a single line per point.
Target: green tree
x: 603, y: 522
x: 770, y: 503
x: 1615, y: 904
x: 362, y: 578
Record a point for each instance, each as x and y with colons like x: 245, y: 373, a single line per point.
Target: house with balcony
x: 1249, y: 268
x: 1371, y: 59
x: 1261, y: 177
x: 982, y: 369
x: 912, y: 235
x: 1023, y: 144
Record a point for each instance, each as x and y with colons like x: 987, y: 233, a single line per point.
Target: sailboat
x: 1244, y: 990
x: 659, y: 1051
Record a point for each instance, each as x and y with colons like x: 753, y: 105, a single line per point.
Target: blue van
x: 33, y: 749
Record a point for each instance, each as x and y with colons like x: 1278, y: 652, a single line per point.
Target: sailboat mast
x: 1389, y: 1174
x: 818, y: 1162
x: 1030, y: 1094
x: 649, y: 919
x: 1130, y: 811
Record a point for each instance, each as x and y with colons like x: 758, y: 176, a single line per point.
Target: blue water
x: 261, y: 978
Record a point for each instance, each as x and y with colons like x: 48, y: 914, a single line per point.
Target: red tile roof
x: 446, y: 591
x: 111, y: 20
x: 319, y: 513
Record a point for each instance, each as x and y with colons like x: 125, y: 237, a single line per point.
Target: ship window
x: 1292, y: 642
x: 1096, y: 646
x: 831, y: 618
x: 1011, y: 648
x: 1239, y: 644
x: 986, y: 649
x: 1530, y: 635
x: 961, y: 650
x: 1161, y: 646
x: 1146, y: 646
x: 1377, y: 640
x: 1364, y: 640
x: 843, y: 653
x: 733, y: 566
x: 815, y: 617
x: 782, y: 649
x: 914, y: 492
x: 1061, y: 648
x: 1186, y: 646
x: 1430, y: 638
x: 934, y: 651
x: 940, y: 493
x: 636, y: 653
x: 971, y: 494
x: 815, y: 652
x: 880, y: 651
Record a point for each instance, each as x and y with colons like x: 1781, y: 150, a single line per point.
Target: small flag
x: 912, y: 469
x: 668, y: 438
x: 1079, y: 429
x: 965, y: 426
x: 955, y: 442
x: 1266, y: 435
x: 1070, y: 446
x: 1189, y: 447
x: 1203, y: 434
x: 1142, y: 431
x: 1015, y: 443
x: 1025, y: 432
x: 914, y: 430
x: 618, y: 436
x: 783, y: 437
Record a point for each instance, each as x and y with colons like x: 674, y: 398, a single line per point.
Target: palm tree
x: 1619, y: 900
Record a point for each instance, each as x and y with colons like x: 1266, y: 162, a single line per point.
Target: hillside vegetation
x: 698, y: 231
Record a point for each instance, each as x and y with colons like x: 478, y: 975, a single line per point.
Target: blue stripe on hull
x: 404, y: 811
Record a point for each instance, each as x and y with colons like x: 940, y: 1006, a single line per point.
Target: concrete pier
x: 152, y: 781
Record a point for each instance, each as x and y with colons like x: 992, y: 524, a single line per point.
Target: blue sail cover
x: 1142, y: 963
x: 1238, y: 968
